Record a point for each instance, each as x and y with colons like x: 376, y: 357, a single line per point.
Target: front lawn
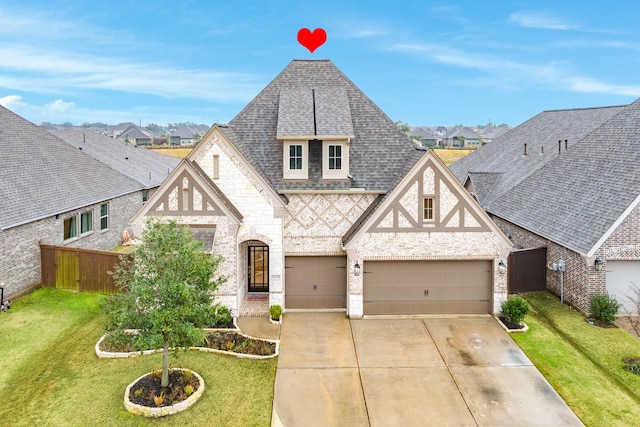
x: 50, y: 375
x: 583, y: 362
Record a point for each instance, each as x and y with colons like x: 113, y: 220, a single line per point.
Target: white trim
x: 343, y: 172
x: 613, y: 227
x: 288, y: 173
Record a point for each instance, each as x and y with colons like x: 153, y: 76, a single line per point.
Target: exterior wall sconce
x: 598, y: 264
x: 502, y: 267
x: 356, y: 269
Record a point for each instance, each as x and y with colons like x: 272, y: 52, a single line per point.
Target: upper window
x: 145, y: 196
x: 71, y: 227
x: 295, y: 157
x: 335, y: 160
x: 104, y: 216
x: 86, y: 222
x: 335, y: 157
x: 295, y: 160
x: 427, y: 212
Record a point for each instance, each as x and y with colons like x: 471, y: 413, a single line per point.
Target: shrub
x: 514, y: 309
x: 632, y: 365
x: 604, y: 308
x: 275, y: 311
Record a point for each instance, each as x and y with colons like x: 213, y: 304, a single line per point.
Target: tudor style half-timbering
x: 312, y: 195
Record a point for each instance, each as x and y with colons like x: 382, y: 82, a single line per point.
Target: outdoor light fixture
x: 356, y: 269
x: 502, y: 267
x: 598, y: 264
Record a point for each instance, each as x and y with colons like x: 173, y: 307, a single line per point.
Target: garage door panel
x: 621, y: 277
x: 427, y: 287
x: 315, y: 282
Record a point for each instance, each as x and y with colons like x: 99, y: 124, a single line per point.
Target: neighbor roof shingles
x: 41, y: 175
x: 572, y: 197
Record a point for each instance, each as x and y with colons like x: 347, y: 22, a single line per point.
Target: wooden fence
x: 527, y: 270
x: 78, y: 269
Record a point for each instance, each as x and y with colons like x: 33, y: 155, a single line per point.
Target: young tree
x: 168, y: 285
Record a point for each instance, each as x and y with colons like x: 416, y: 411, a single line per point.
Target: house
x: 463, y: 137
x: 75, y: 188
x: 187, y: 134
x: 138, y: 136
x: 317, y: 200
x: 425, y: 136
x: 568, y: 180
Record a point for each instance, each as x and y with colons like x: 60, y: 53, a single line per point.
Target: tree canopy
x: 168, y: 284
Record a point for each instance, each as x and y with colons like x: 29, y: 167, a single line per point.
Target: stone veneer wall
x: 262, y: 217
x: 20, y: 250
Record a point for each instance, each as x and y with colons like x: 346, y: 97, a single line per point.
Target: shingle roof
x: 575, y: 197
x: 505, y: 154
x: 145, y: 166
x: 379, y: 150
x: 41, y: 175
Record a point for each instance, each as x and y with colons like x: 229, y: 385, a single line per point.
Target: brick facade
x: 20, y: 256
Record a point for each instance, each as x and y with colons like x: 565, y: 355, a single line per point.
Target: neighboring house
x: 317, y: 200
x: 75, y: 188
x: 425, y: 136
x: 138, y: 136
x: 568, y: 180
x: 114, y: 131
x: 463, y: 137
x: 187, y: 133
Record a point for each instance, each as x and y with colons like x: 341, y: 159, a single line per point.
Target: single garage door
x: 315, y: 282
x: 427, y: 287
x: 621, y: 276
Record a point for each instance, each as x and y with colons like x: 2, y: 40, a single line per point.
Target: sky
x: 422, y: 62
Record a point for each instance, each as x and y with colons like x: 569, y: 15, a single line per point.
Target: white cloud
x: 539, y: 20
x: 59, y: 105
x: 11, y: 101
x: 588, y: 85
x: 31, y: 69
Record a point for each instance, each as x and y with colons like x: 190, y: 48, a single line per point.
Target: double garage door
x: 427, y: 287
x: 392, y: 287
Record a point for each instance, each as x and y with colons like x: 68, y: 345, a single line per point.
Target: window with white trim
x: 335, y: 160
x: 70, y: 227
x: 427, y: 209
x: 104, y: 216
x: 295, y: 160
x: 86, y: 222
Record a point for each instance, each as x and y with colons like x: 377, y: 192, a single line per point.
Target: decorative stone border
x: 524, y: 328
x: 163, y: 411
x: 275, y: 322
x: 123, y: 355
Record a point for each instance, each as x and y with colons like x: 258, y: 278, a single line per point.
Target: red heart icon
x: 312, y: 40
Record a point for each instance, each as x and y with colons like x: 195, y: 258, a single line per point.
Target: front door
x: 258, y: 269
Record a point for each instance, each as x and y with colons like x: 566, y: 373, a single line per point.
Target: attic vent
x: 315, y: 123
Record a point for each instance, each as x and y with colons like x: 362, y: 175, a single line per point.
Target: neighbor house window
x: 427, y: 212
x: 295, y: 157
x: 335, y: 157
x: 71, y: 227
x: 104, y: 216
x: 86, y: 222
x: 145, y: 196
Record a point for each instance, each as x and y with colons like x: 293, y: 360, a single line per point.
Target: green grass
x: 583, y: 362
x: 451, y: 156
x: 50, y: 375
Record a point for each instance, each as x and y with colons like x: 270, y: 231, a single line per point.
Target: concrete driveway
x: 333, y: 371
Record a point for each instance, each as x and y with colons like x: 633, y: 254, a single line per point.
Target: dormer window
x: 296, y: 160
x: 335, y: 160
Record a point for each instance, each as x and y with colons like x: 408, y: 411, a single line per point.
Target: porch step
x: 254, y: 306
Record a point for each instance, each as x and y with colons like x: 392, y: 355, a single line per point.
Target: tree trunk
x: 164, y: 382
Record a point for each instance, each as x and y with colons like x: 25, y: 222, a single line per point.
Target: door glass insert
x: 258, y: 269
